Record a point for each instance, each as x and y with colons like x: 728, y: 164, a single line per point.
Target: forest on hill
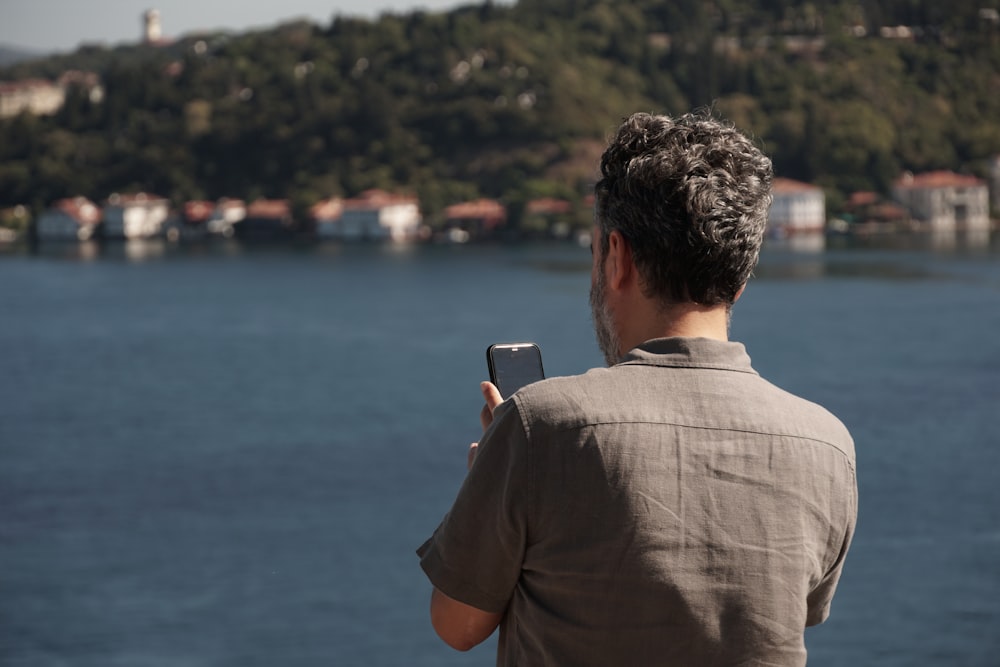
x: 513, y: 101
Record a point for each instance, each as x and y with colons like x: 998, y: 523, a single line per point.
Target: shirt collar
x: 691, y: 353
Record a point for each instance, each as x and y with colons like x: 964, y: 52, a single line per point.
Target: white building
x: 152, y: 29
x: 944, y: 200
x: 797, y: 208
x: 379, y: 216
x: 73, y: 219
x: 41, y: 97
x: 36, y: 96
x: 135, y: 216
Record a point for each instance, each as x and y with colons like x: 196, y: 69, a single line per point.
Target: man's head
x: 690, y: 196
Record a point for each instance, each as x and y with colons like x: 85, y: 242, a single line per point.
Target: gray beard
x: 607, y: 338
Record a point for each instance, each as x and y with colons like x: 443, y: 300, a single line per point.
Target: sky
x: 62, y: 25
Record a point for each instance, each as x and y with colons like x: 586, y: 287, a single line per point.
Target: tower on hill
x: 152, y: 30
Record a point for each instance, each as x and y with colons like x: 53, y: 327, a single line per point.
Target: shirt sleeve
x: 475, y: 554
x: 821, y: 596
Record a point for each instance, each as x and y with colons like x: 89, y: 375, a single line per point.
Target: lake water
x: 225, y: 456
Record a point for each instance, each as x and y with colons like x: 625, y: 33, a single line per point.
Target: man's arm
x: 461, y: 626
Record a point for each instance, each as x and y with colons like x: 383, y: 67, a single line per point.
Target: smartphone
x: 514, y: 365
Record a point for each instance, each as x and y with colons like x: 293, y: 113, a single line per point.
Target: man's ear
x: 619, y: 261
x: 739, y: 293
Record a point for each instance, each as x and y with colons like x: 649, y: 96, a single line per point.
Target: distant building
x: 797, y: 208
x: 44, y: 98
x: 326, y: 217
x: 944, y: 200
x: 870, y: 207
x: 548, y: 215
x: 549, y: 206
x: 36, y: 96
x: 379, y: 216
x: 88, y: 82
x: 152, y: 29
x: 73, y: 219
x: 135, y: 216
x: 474, y: 219
x: 267, y: 219
x: 198, y: 211
x: 192, y: 223
x: 228, y: 212
x: 900, y: 32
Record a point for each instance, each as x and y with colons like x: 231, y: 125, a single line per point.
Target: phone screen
x: 514, y: 365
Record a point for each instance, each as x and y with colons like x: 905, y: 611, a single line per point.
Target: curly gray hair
x: 690, y: 195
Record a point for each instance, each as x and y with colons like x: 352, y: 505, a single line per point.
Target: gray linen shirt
x: 675, y: 509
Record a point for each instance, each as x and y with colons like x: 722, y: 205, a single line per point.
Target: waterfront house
x: 326, y: 217
x: 548, y: 215
x: 71, y: 219
x: 944, y: 200
x: 869, y: 210
x: 266, y: 219
x: 135, y: 216
x: 379, y: 216
x: 474, y: 219
x: 192, y: 223
x: 797, y: 209
x: 228, y: 212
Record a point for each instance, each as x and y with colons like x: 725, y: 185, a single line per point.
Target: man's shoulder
x: 809, y: 419
x: 559, y: 390
x: 572, y: 400
x: 723, y: 400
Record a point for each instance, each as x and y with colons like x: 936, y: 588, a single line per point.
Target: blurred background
x: 250, y: 265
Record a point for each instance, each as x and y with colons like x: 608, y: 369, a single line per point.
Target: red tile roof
x: 24, y: 84
x: 327, y: 209
x: 80, y: 209
x: 787, y: 186
x: 269, y: 208
x: 864, y: 198
x: 937, y: 179
x: 549, y: 206
x: 486, y: 209
x: 376, y: 199
x: 198, y: 211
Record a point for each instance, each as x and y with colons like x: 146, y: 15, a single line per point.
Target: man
x: 675, y: 508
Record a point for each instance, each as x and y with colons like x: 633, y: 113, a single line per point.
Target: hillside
x: 514, y: 101
x: 11, y: 55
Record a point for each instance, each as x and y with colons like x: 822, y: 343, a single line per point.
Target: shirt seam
x: 701, y: 428
x: 524, y: 414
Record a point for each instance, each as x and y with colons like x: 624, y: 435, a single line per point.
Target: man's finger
x: 491, y: 394
x: 472, y: 454
x: 493, y: 399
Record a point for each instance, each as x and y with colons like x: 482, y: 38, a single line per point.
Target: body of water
x: 226, y: 456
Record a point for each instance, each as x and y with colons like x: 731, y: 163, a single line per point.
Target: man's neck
x: 696, y: 321
x: 687, y: 320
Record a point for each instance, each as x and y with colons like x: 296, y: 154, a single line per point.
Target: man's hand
x: 493, y: 399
